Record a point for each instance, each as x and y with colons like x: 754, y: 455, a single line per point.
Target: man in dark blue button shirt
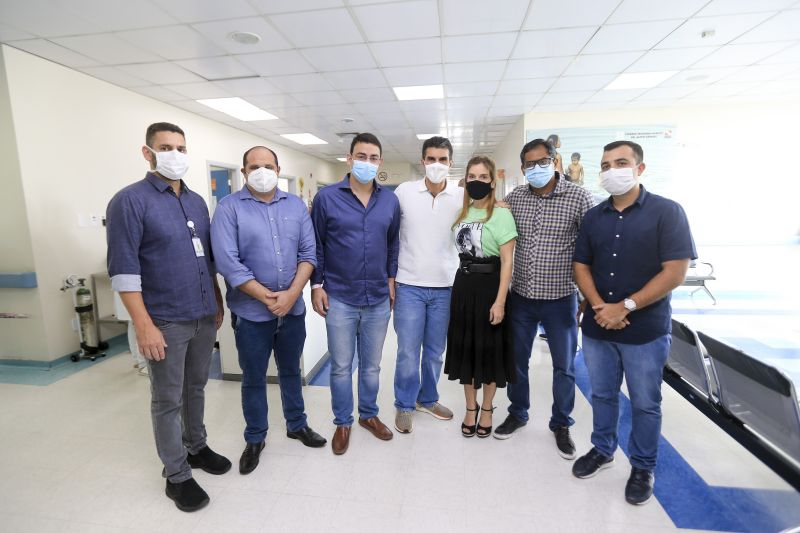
x: 159, y: 260
x: 632, y: 251
x: 357, y: 225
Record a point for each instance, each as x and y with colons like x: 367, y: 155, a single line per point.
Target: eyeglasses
x: 543, y: 162
x: 374, y: 159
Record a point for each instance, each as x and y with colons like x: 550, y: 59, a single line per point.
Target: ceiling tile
x: 757, y: 73
x: 333, y: 112
x: 788, y: 55
x: 482, y: 71
x: 117, y: 15
x: 196, y: 91
x: 7, y: 33
x: 732, y: 7
x: 536, y: 68
x: 274, y: 103
x: 616, y: 96
x: 407, y: 76
x: 478, y: 16
x: 196, y: 11
x: 357, y: 96
x: 408, y: 52
x: 479, y: 88
x: 699, y: 77
x: 333, y: 58
x: 403, y: 20
x: 276, y: 63
x: 317, y: 98
x: 302, y: 82
x: 551, y: 43
x: 782, y: 27
x: 478, y: 47
x: 420, y: 106
x: 666, y: 93
x: 159, y: 93
x: 326, y: 27
x: 469, y: 102
x: 726, y: 28
x: 630, y: 37
x: 161, y: 73
x: 107, y: 48
x: 734, y: 55
x: 528, y: 100
x: 43, y: 18
x: 216, y: 68
x: 172, y: 42
x: 537, y: 85
x: 508, y: 111
x: 54, y: 52
x: 194, y: 107
x: 638, y: 11
x: 671, y: 59
x: 218, y: 32
x: 576, y: 97
x: 602, y: 63
x: 551, y: 14
x: 286, y: 6
x: 721, y: 89
x: 116, y: 76
x: 556, y: 108
x: 356, y: 79
x: 248, y: 86
x: 582, y: 83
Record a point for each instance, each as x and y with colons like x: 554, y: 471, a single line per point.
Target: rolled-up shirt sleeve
x: 225, y: 245
x: 124, y: 229
x: 307, y: 248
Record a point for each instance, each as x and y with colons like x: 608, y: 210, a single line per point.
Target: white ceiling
x: 321, y: 61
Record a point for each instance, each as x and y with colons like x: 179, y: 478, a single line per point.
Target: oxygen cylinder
x: 84, y: 307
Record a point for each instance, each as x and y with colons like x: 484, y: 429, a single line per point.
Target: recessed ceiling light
x: 237, y: 108
x: 419, y: 92
x: 342, y: 159
x: 639, y: 80
x: 244, y: 37
x: 426, y: 136
x: 303, y: 138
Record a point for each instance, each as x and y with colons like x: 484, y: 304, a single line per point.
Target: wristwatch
x: 630, y: 305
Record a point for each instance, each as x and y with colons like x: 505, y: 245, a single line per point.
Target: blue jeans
x: 421, y: 315
x: 255, y: 342
x: 349, y: 328
x: 643, y: 366
x: 559, y: 320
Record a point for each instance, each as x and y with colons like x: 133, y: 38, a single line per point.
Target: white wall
x: 78, y: 142
x: 398, y: 172
x: 506, y: 155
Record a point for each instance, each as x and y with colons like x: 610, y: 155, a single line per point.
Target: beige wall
x: 506, y: 155
x: 79, y: 142
x: 398, y: 172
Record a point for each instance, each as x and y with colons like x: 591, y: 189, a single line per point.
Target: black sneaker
x: 591, y: 463
x: 210, y: 461
x: 639, y: 488
x: 564, y: 443
x: 509, y: 426
x: 187, y: 495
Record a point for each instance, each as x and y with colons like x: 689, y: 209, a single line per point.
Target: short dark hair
x: 637, y: 149
x: 366, y: 138
x: 575, y: 155
x: 152, y: 129
x: 244, y: 157
x: 551, y: 150
x: 437, y: 142
x: 552, y: 139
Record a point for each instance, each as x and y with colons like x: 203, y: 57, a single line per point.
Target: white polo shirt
x: 427, y: 255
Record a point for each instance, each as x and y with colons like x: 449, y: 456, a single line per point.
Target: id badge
x: 198, y: 247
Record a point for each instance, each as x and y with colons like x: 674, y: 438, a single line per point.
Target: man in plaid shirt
x: 548, y: 211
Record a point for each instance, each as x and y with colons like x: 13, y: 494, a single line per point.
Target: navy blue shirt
x: 150, y: 249
x: 625, y: 251
x: 357, y: 247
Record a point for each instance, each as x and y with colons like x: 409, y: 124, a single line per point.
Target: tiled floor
x: 78, y: 455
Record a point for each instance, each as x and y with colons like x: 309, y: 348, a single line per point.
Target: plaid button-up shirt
x: 548, y: 228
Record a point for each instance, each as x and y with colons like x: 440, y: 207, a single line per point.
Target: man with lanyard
x: 632, y: 251
x: 159, y: 260
x: 357, y: 226
x: 264, y: 248
x: 548, y: 211
x: 427, y: 265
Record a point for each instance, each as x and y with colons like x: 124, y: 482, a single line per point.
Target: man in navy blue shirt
x: 159, y: 260
x: 357, y: 225
x: 632, y: 251
x: 264, y: 248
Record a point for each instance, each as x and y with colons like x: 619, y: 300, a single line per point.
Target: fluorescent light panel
x: 303, y: 138
x: 426, y: 136
x: 419, y: 92
x: 237, y: 108
x: 639, y: 80
x: 342, y: 159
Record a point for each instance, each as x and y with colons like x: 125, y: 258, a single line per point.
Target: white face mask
x: 262, y: 179
x: 172, y: 165
x: 618, y: 181
x: 436, y: 172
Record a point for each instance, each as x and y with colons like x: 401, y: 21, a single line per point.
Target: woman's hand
x: 496, y: 313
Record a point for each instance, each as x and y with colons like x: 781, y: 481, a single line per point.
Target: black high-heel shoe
x: 469, y: 431
x: 481, y: 431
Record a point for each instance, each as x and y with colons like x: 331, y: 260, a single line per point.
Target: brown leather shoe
x: 376, y: 427
x: 341, y: 440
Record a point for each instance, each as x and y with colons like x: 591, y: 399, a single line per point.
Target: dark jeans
x: 255, y: 342
x: 177, y: 388
x: 559, y: 320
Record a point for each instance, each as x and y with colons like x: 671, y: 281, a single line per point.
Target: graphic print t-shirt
x: 483, y: 239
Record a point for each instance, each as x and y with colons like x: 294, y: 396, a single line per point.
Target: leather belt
x: 479, y: 268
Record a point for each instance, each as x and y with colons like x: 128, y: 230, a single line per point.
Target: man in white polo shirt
x: 427, y: 266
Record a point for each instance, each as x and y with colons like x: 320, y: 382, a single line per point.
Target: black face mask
x: 478, y: 190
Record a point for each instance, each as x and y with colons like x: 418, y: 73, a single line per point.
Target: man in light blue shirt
x: 264, y: 247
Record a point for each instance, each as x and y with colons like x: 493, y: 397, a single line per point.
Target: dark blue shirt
x: 625, y: 251
x: 357, y: 247
x: 264, y: 241
x: 150, y: 249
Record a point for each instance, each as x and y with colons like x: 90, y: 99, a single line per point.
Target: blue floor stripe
x: 692, y: 503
